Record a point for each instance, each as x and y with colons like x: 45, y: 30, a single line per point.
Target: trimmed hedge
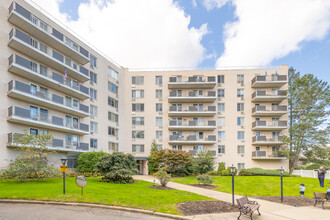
x: 261, y: 172
x: 87, y: 161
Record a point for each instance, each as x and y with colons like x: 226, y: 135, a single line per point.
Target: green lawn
x: 262, y: 185
x: 136, y: 195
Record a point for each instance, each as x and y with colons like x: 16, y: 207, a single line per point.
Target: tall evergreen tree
x: 308, y: 102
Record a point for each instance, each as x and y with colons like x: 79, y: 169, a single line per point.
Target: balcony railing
x: 192, y: 123
x: 192, y: 109
x: 192, y: 94
x: 23, y: 42
x: 195, y: 152
x: 38, y: 28
x: 192, y: 139
x: 274, y: 125
x: 269, y: 94
x: 269, y: 110
x: 266, y: 155
x: 44, y: 98
x: 192, y: 82
x: 193, y: 79
x: 269, y: 81
x: 25, y: 116
x: 42, y: 74
x: 265, y: 139
x: 56, y: 144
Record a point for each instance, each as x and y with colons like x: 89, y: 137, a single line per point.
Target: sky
x: 203, y: 34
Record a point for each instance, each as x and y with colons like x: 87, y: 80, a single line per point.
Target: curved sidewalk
x: 268, y: 210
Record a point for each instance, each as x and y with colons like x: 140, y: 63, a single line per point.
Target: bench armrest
x: 253, y: 202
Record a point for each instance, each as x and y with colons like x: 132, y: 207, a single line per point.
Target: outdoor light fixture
x: 232, y: 168
x: 63, y: 161
x: 281, y: 172
x: 63, y: 169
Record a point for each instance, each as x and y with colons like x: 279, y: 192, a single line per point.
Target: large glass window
x: 240, y: 121
x: 93, y: 143
x: 138, y: 134
x: 240, y: 135
x: 221, y: 107
x: 159, y: 80
x: 240, y: 78
x: 137, y: 80
x: 221, y: 121
x: 159, y: 93
x: 221, y: 135
x: 137, y: 94
x: 93, y: 60
x: 138, y: 107
x: 113, y: 131
x: 221, y: 93
x: 138, y: 148
x: 240, y: 107
x: 113, y: 73
x: 137, y: 120
x: 221, y: 149
x: 112, y: 117
x: 159, y: 121
x: 112, y: 102
x: 93, y: 77
x: 240, y: 93
x: 93, y: 110
x: 221, y: 79
x: 159, y: 107
x: 159, y: 134
x: 112, y: 88
x: 93, y: 126
x: 93, y: 93
x: 240, y: 149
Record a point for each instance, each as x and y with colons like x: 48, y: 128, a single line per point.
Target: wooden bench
x: 247, y: 207
x: 320, y: 198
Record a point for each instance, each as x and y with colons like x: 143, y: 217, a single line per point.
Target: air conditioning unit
x: 219, y: 84
x: 219, y: 113
x: 242, y: 113
x: 242, y: 127
x: 160, y: 99
x: 243, y: 141
x: 219, y: 140
x: 160, y: 113
x: 242, y: 98
x: 242, y: 155
x: 133, y: 86
x: 242, y: 84
x: 133, y: 113
x: 220, y: 127
x: 219, y: 99
x: 133, y: 99
x: 160, y: 126
x: 91, y: 132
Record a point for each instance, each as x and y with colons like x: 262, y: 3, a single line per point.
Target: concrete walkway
x: 268, y: 210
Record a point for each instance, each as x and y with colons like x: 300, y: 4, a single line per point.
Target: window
x: 137, y: 94
x: 113, y: 73
x: 93, y: 77
x: 112, y: 102
x: 138, y: 107
x: 71, y: 44
x: 221, y: 135
x: 112, y: 88
x: 221, y: 93
x: 72, y: 103
x: 177, y: 147
x: 240, y: 107
x: 112, y: 146
x: 199, y: 148
x: 138, y: 134
x: 138, y: 148
x: 221, y: 79
x: 159, y: 146
x: 72, y: 163
x: 159, y: 93
x: 113, y: 131
x: 159, y: 107
x: 71, y: 141
x: 33, y: 131
x: 71, y: 122
x: 159, y: 134
x: 93, y: 110
x: 112, y: 117
x: 240, y: 149
x: 159, y: 80
x: 221, y: 121
x: 137, y: 80
x: 240, y: 79
x: 240, y: 166
x: 93, y: 93
x: 221, y: 107
x: 93, y: 143
x: 257, y: 148
x: 43, y: 47
x: 240, y: 121
x: 240, y: 93
x: 93, y: 61
x: 137, y: 120
x: 159, y: 121
x: 93, y: 127
x: 240, y: 135
x: 221, y: 149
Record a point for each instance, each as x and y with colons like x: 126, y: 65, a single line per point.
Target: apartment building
x: 53, y: 82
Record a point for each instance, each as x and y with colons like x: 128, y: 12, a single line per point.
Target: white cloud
x: 211, y: 4
x: 137, y: 33
x: 194, y: 3
x: 268, y: 30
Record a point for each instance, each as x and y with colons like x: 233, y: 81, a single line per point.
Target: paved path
x: 268, y: 210
x: 10, y: 211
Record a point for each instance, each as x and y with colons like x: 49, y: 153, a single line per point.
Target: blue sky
x: 311, y: 57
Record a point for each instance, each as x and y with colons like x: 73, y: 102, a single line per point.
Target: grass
x: 137, y: 195
x: 262, y: 185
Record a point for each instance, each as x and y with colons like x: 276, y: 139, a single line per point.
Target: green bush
x: 203, y: 162
x: 213, y: 173
x: 204, y: 179
x: 117, y: 168
x: 314, y: 166
x: 87, y: 161
x: 221, y: 167
x: 245, y: 172
x: 163, y: 177
x: 261, y: 172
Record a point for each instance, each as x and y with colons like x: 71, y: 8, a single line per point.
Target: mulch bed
x: 205, y: 207
x: 289, y: 200
x: 204, y: 186
x: 160, y: 187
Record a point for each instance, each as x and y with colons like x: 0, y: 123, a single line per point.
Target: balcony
x: 46, y: 121
x: 192, y: 111
x: 26, y: 21
x: 263, y: 140
x: 264, y: 155
x: 272, y: 81
x: 41, y: 74
x: 265, y: 96
x: 191, y: 140
x: 192, y: 96
x: 192, y: 82
x: 40, y: 52
x: 269, y: 126
x: 192, y: 125
x: 22, y: 91
x: 271, y: 111
x: 195, y: 152
x: 57, y: 144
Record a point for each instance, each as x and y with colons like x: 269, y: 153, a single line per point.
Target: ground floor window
x: 240, y: 166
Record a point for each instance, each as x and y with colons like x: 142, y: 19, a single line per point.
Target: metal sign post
x: 81, y: 182
x: 63, y: 169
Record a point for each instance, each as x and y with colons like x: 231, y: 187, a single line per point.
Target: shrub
x: 245, y: 172
x: 203, y: 163
x: 204, y: 179
x: 225, y: 173
x: 262, y: 172
x: 163, y: 177
x: 87, y: 161
x: 213, y: 173
x: 221, y: 167
x: 117, y: 168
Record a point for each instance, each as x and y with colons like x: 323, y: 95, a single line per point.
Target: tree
x: 308, y: 102
x: 203, y: 163
x: 117, y: 168
x: 154, y: 147
x: 33, y: 162
x: 163, y: 177
x: 87, y: 161
x: 317, y: 155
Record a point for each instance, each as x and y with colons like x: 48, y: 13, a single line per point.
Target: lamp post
x: 63, y: 170
x: 232, y: 168
x: 281, y: 171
